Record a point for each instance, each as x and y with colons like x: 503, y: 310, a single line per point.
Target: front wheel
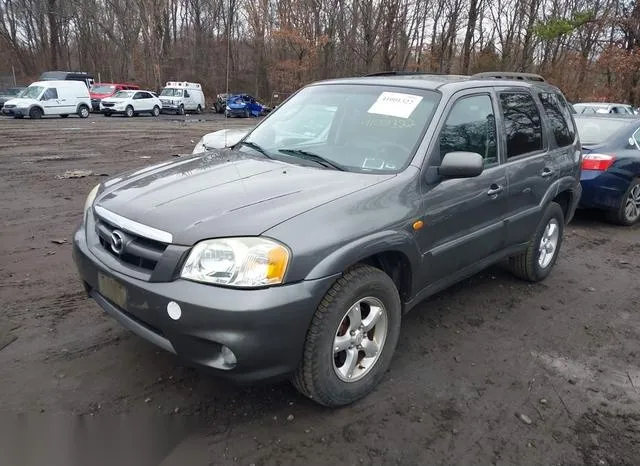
x: 128, y: 111
x: 156, y: 111
x: 35, y: 113
x: 351, y: 339
x: 535, y: 263
x: 180, y: 110
x: 629, y: 211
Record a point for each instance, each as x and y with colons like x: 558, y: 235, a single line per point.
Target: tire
x: 128, y: 112
x: 83, y: 111
x: 156, y: 111
x: 629, y: 211
x: 199, y: 109
x: 64, y: 116
x: 323, y: 373
x: 35, y: 113
x: 180, y: 110
x: 530, y: 264
x: 247, y: 114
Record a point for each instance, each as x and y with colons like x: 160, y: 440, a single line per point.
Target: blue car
x: 243, y: 105
x: 611, y: 166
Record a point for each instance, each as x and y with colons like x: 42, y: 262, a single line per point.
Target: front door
x: 464, y: 218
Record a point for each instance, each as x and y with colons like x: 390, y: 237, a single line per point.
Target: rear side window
x: 558, y: 119
x: 523, y: 129
x: 471, y: 127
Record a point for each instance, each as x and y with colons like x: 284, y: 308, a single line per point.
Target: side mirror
x: 461, y: 165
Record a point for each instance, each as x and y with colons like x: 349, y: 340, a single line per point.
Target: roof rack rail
x: 394, y: 73
x: 509, y: 75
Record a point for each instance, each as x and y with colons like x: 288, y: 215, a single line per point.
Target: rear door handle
x: 494, y: 190
x: 546, y: 173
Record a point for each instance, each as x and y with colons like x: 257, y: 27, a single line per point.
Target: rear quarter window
x: 559, y: 118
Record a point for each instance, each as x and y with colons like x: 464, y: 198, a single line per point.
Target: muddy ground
x: 492, y: 371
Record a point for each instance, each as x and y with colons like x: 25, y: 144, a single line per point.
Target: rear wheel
x: 535, y: 263
x: 199, y: 109
x: 629, y: 211
x: 36, y: 113
x: 156, y: 111
x: 128, y: 112
x: 83, y: 111
x: 352, y: 338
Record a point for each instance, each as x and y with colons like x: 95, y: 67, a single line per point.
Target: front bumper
x: 111, y: 110
x: 265, y: 328
x: 15, y: 111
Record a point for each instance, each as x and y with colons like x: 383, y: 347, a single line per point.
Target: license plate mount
x: 113, y: 290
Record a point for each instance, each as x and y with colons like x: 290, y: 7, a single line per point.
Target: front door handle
x: 546, y: 173
x: 494, y: 190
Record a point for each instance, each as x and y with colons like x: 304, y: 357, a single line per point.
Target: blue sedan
x: 611, y: 166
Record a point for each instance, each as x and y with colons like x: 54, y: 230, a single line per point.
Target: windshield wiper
x: 255, y: 147
x: 303, y: 154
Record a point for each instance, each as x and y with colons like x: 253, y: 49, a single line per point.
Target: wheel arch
x: 395, y: 253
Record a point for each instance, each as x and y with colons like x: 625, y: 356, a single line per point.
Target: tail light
x: 599, y: 162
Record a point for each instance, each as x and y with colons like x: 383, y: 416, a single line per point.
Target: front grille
x: 107, y: 104
x: 137, y: 251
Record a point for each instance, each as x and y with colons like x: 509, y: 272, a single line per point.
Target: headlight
x: 227, y: 108
x: 89, y: 202
x: 199, y: 147
x: 239, y: 262
x: 91, y: 197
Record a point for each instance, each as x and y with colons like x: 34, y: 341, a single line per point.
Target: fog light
x: 174, y: 311
x: 228, y: 357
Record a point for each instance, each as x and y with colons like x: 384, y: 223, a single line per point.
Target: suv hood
x: 225, y: 193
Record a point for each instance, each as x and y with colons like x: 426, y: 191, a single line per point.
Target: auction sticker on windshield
x: 395, y: 104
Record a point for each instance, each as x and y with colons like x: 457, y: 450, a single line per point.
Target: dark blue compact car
x: 611, y: 165
x: 243, y: 105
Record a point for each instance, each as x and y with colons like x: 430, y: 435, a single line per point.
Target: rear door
x: 464, y: 218
x: 531, y: 161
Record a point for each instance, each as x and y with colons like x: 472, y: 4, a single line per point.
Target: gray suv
x: 295, y: 253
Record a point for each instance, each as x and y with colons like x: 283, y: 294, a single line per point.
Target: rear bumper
x: 602, y: 190
x: 265, y: 329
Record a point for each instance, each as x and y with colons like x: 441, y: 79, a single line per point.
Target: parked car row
x: 57, y: 97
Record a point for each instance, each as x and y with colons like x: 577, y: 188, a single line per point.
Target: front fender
x: 384, y: 241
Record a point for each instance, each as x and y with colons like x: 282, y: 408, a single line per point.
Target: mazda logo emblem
x: 117, y: 241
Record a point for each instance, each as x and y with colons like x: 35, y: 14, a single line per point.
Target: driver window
x: 471, y: 127
x: 50, y: 94
x: 186, y: 94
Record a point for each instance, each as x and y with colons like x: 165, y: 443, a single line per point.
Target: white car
x: 220, y: 139
x: 130, y: 103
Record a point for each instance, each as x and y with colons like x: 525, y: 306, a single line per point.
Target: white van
x: 181, y: 96
x: 42, y: 98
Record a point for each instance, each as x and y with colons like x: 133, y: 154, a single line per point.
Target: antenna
x: 229, y: 23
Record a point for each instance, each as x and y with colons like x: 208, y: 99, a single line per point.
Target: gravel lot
x: 492, y: 371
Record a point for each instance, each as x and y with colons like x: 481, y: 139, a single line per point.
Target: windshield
x: 356, y: 127
x: 594, y: 131
x: 103, y: 89
x: 32, y: 92
x: 168, y: 92
x: 123, y: 94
